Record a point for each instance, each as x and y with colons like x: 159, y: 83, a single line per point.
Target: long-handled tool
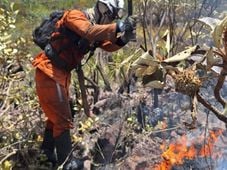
x: 130, y: 13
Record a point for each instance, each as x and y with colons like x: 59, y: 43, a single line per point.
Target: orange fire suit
x: 52, y: 83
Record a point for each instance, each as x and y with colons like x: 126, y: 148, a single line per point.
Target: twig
x: 118, y: 138
x: 80, y: 75
x: 100, y: 151
x: 6, y: 100
x: 219, y: 115
x: 94, y: 84
x: 219, y: 52
x: 163, y: 130
x: 106, y: 82
x: 144, y: 25
x: 60, y: 167
x: 18, y: 142
x: 205, y: 139
x: 221, y: 80
x: 7, y: 156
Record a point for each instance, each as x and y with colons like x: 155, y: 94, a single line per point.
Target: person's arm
x: 77, y: 22
x: 111, y: 47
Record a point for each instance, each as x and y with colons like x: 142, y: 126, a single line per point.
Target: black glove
x: 126, y: 25
x: 127, y: 36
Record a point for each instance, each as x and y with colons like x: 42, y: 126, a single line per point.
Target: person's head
x: 108, y: 10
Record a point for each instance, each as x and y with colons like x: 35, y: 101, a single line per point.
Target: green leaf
x: 12, y: 6
x: 5, y: 37
x: 7, y: 165
x: 12, y: 26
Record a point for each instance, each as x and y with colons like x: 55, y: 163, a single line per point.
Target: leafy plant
x: 185, y: 71
x: 18, y: 104
x: 216, y: 58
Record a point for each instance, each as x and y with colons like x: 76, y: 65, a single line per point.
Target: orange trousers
x: 54, y: 101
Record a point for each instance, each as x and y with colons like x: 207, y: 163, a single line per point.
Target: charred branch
x: 106, y: 82
x: 80, y: 75
x: 221, y: 80
x: 95, y: 86
x: 219, y: 115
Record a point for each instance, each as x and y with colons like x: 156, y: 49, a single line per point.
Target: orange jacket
x: 76, y: 21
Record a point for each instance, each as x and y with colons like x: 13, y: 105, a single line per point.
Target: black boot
x: 48, y: 146
x: 63, y: 146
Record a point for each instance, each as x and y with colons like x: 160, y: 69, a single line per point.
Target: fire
x: 186, y: 149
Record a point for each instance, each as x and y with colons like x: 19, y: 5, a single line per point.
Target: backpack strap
x: 82, y: 44
x: 92, y: 51
x: 54, y: 57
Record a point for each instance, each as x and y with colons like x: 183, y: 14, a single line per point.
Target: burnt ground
x: 130, y: 132
x: 121, y: 140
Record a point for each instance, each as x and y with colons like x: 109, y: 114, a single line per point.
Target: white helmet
x: 113, y: 5
x: 108, y: 10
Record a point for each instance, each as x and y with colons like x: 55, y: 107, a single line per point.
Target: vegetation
x: 186, y: 41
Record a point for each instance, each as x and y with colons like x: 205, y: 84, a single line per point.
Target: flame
x: 186, y: 149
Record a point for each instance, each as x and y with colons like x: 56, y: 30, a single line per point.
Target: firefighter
x: 100, y: 24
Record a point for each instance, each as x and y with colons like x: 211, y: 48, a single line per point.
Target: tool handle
x: 130, y: 8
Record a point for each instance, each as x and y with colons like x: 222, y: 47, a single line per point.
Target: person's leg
x: 48, y: 144
x: 63, y: 146
x: 54, y: 102
x: 62, y: 125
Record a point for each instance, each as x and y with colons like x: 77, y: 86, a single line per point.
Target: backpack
x: 42, y: 34
x: 42, y: 37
